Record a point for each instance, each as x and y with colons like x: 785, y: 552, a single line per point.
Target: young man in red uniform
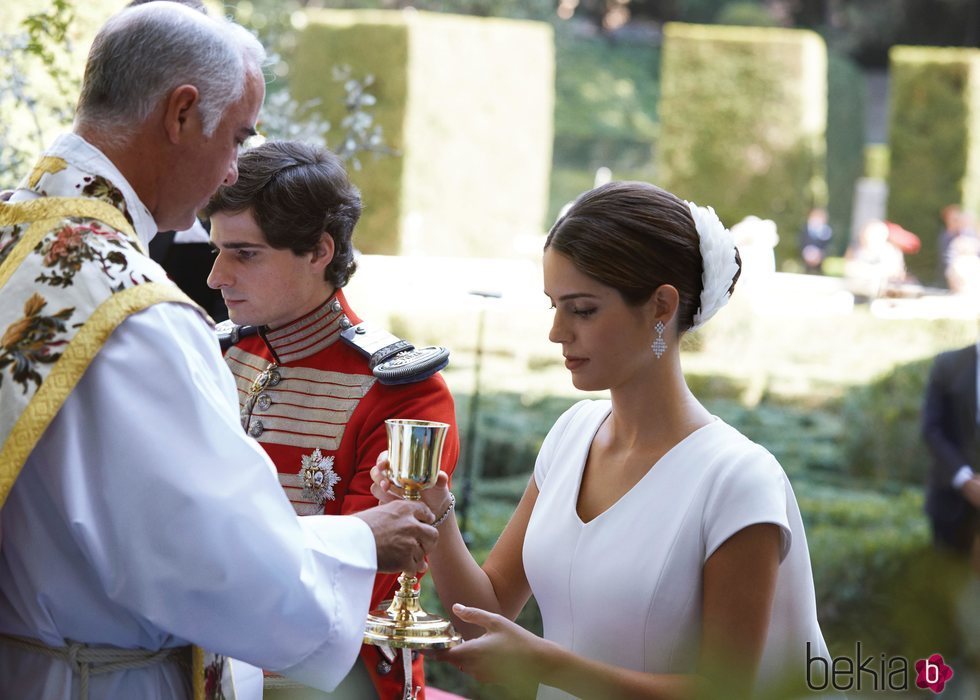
x: 315, y: 400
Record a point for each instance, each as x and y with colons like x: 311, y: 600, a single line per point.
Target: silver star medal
x: 319, y: 477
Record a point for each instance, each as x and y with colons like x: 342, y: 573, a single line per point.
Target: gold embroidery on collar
x: 47, y: 164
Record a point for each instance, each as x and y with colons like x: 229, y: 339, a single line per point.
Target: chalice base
x: 405, y: 629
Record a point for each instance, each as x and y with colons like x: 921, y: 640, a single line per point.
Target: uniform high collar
x: 312, y: 332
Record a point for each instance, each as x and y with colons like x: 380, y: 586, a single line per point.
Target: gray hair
x: 144, y: 52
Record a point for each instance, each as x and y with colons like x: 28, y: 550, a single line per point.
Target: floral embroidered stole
x: 71, y: 270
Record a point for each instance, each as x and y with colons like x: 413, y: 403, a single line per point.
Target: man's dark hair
x: 296, y: 192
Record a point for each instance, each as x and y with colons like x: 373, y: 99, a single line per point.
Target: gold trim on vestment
x: 68, y: 370
x: 53, y: 209
x: 197, y: 672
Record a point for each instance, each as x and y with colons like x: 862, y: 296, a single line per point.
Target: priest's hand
x: 402, y: 534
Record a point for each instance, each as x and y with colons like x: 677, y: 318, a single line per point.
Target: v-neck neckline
x: 663, y: 458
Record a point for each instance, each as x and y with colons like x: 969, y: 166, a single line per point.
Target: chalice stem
x: 405, y: 604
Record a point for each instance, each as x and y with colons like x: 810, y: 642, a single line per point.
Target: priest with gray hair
x: 139, y: 525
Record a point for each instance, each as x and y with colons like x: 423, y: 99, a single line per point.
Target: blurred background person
x: 957, y: 238
x: 873, y: 263
x: 815, y: 238
x: 959, y: 252
x: 951, y: 430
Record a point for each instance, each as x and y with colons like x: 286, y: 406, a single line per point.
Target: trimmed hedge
x: 606, y: 92
x: 846, y: 101
x: 329, y: 43
x: 933, y: 138
x: 468, y: 104
x: 743, y: 114
x: 605, y: 113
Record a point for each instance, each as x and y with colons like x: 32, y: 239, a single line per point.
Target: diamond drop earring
x: 659, y: 345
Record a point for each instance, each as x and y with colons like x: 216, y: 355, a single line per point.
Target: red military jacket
x: 312, y: 402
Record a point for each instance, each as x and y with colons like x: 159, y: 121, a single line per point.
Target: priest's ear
x: 181, y: 112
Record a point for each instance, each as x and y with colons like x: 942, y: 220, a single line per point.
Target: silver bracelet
x: 450, y: 509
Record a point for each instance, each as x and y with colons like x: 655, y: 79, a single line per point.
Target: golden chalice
x: 414, y: 457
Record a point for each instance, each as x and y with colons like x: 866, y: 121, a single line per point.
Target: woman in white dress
x: 665, y: 550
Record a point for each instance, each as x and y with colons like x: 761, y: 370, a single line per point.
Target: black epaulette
x: 229, y: 334
x: 393, y: 360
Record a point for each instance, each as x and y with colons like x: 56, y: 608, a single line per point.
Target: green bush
x: 933, y: 140
x: 567, y: 183
x: 877, y: 578
x: 468, y: 105
x: 745, y: 14
x: 743, y: 113
x: 510, y: 430
x: 43, y: 46
x: 883, y: 440
x: 779, y: 424
x: 326, y: 44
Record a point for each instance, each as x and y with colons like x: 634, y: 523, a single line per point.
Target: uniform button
x: 345, y: 322
x: 384, y: 667
x: 263, y: 402
x: 274, y: 378
x: 256, y: 428
x: 335, y: 306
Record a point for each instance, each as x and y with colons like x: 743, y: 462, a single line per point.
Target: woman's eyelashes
x: 580, y: 311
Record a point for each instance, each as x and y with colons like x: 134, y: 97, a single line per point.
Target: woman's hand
x: 436, y: 497
x: 506, y: 653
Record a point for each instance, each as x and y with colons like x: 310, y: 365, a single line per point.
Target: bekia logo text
x: 882, y: 672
